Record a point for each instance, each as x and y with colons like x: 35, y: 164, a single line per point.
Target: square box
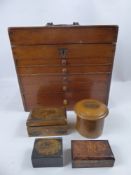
x: 47, y: 152
x: 91, y: 153
x: 47, y: 121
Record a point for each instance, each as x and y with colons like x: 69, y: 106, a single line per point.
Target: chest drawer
x: 67, y: 99
x: 48, y: 84
x: 83, y: 69
x: 74, y: 54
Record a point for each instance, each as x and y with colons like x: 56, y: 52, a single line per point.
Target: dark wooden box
x: 60, y: 65
x: 91, y: 153
x: 47, y: 153
x: 47, y: 121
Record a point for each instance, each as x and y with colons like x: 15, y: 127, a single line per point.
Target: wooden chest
x: 91, y: 153
x: 60, y: 65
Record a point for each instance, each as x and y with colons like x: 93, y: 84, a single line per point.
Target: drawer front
x: 60, y: 99
x: 75, y: 54
x: 48, y: 91
x: 58, y: 35
x: 47, y: 84
x: 83, y: 69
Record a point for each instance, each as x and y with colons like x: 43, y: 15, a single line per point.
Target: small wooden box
x: 47, y: 121
x: 91, y: 153
x: 47, y: 153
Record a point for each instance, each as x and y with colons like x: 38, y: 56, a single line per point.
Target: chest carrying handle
x: 51, y: 24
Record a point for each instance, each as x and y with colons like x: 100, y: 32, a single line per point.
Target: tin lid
x: 90, y: 109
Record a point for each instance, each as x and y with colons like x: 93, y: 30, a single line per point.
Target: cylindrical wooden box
x: 90, y: 117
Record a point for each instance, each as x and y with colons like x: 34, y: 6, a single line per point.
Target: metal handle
x: 51, y: 24
x: 75, y: 23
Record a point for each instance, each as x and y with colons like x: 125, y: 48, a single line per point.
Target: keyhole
x: 62, y: 52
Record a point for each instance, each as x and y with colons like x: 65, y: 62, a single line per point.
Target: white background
x: 88, y: 12
x: 15, y: 146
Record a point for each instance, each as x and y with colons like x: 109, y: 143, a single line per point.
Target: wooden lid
x: 91, y: 150
x: 48, y: 148
x: 90, y: 109
x: 47, y: 116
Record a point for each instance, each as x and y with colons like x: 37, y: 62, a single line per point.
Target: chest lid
x: 63, y: 34
x: 47, y: 116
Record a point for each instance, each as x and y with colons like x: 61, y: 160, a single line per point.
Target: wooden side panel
x: 58, y: 35
x: 34, y: 131
x: 93, y: 163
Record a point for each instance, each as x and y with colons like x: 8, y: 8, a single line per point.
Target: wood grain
x: 34, y: 131
x: 47, y: 152
x: 60, y: 35
x: 58, y: 84
x: 91, y: 153
x: 64, y: 70
x: 49, y: 54
x: 45, y: 78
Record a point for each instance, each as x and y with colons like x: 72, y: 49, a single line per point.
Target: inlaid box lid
x: 47, y: 116
x: 47, y: 147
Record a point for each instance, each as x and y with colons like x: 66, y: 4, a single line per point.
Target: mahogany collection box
x: 91, y: 153
x: 61, y: 64
x: 47, y: 121
x: 47, y: 153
